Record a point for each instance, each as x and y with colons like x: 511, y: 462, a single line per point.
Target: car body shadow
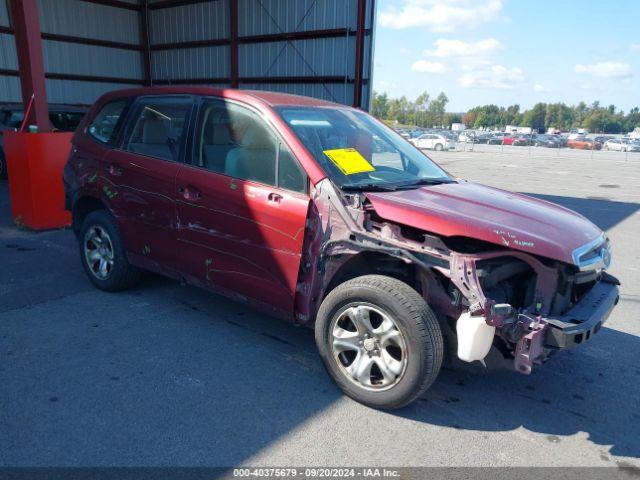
x: 605, y: 213
x: 593, y: 389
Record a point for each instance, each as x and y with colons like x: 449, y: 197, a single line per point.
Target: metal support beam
x: 146, y: 46
x: 115, y: 4
x: 26, y: 25
x: 360, y: 34
x: 175, y: 3
x: 233, y: 45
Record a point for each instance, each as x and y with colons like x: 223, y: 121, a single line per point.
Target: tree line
x: 427, y: 112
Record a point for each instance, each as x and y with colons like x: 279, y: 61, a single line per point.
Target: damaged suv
x: 320, y: 214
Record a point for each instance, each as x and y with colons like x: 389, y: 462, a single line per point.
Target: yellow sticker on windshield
x: 349, y: 161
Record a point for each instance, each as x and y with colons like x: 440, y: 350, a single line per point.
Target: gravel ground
x: 166, y: 374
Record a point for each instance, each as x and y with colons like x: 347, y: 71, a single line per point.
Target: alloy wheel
x: 98, y: 252
x: 368, y: 347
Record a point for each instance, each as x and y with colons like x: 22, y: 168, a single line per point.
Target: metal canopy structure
x: 72, y: 51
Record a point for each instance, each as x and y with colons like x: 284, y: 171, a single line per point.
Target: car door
x: 140, y: 178
x: 242, y: 206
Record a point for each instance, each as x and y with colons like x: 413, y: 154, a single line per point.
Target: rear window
x: 104, y: 126
x: 160, y: 124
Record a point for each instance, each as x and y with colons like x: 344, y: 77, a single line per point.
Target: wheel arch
x: 370, y: 262
x: 82, y: 207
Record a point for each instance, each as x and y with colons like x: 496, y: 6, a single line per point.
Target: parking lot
x: 167, y: 374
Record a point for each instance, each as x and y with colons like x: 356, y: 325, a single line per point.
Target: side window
x: 291, y: 176
x: 235, y: 141
x: 158, y: 127
x: 103, y: 126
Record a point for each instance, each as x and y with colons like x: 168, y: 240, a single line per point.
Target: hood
x: 504, y: 218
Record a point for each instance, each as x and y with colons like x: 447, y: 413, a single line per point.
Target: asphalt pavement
x: 167, y: 374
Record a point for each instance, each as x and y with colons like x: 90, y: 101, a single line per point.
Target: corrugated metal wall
x: 89, y: 20
x: 77, y: 18
x: 334, y: 56
x: 9, y: 85
x: 200, y: 21
x: 4, y: 14
x: 191, y: 42
x: 191, y: 63
x: 259, y: 17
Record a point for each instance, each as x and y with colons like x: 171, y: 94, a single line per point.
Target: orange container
x: 34, y: 163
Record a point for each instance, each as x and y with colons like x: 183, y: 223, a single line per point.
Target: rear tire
x: 393, y: 362
x: 439, y: 147
x: 102, y: 253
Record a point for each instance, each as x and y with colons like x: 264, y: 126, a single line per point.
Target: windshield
x: 357, y: 152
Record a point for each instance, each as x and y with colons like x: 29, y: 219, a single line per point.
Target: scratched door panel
x: 142, y: 191
x: 235, y: 237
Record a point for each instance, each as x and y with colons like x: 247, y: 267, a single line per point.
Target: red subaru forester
x: 321, y: 214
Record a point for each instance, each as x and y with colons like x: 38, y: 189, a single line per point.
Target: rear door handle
x: 275, y: 197
x: 115, y: 170
x: 190, y: 193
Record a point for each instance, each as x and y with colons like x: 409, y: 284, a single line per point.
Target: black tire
x: 413, y: 318
x: 439, y: 147
x: 3, y: 166
x: 122, y: 274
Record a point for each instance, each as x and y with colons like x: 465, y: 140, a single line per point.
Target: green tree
x: 437, y: 109
x: 421, y: 105
x: 511, y: 116
x: 535, y: 118
x: 380, y: 105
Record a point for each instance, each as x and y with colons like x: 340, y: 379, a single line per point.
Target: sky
x: 509, y: 51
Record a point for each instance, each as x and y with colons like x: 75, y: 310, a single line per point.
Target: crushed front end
x: 531, y: 304
x: 536, y: 305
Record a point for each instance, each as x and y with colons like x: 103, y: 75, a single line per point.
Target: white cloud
x: 495, y: 77
x: 441, y: 15
x: 458, y: 48
x: 635, y: 47
x: 606, y: 69
x: 540, y: 88
x: 428, y: 67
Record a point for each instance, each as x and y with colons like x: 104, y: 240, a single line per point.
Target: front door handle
x: 275, y: 197
x: 190, y: 193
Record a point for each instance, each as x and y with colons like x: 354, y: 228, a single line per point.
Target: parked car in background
x: 549, y: 141
x: 583, y: 143
x: 482, y: 137
x: 434, y: 141
x: 499, y: 138
x: 621, y: 145
x: 282, y: 202
x: 522, y: 140
x: 634, y: 146
x: 63, y: 118
x: 602, y: 138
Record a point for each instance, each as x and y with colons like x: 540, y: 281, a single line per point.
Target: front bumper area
x: 584, y: 320
x: 576, y: 326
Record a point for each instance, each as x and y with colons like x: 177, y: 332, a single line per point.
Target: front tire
x: 102, y: 253
x: 379, y: 341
